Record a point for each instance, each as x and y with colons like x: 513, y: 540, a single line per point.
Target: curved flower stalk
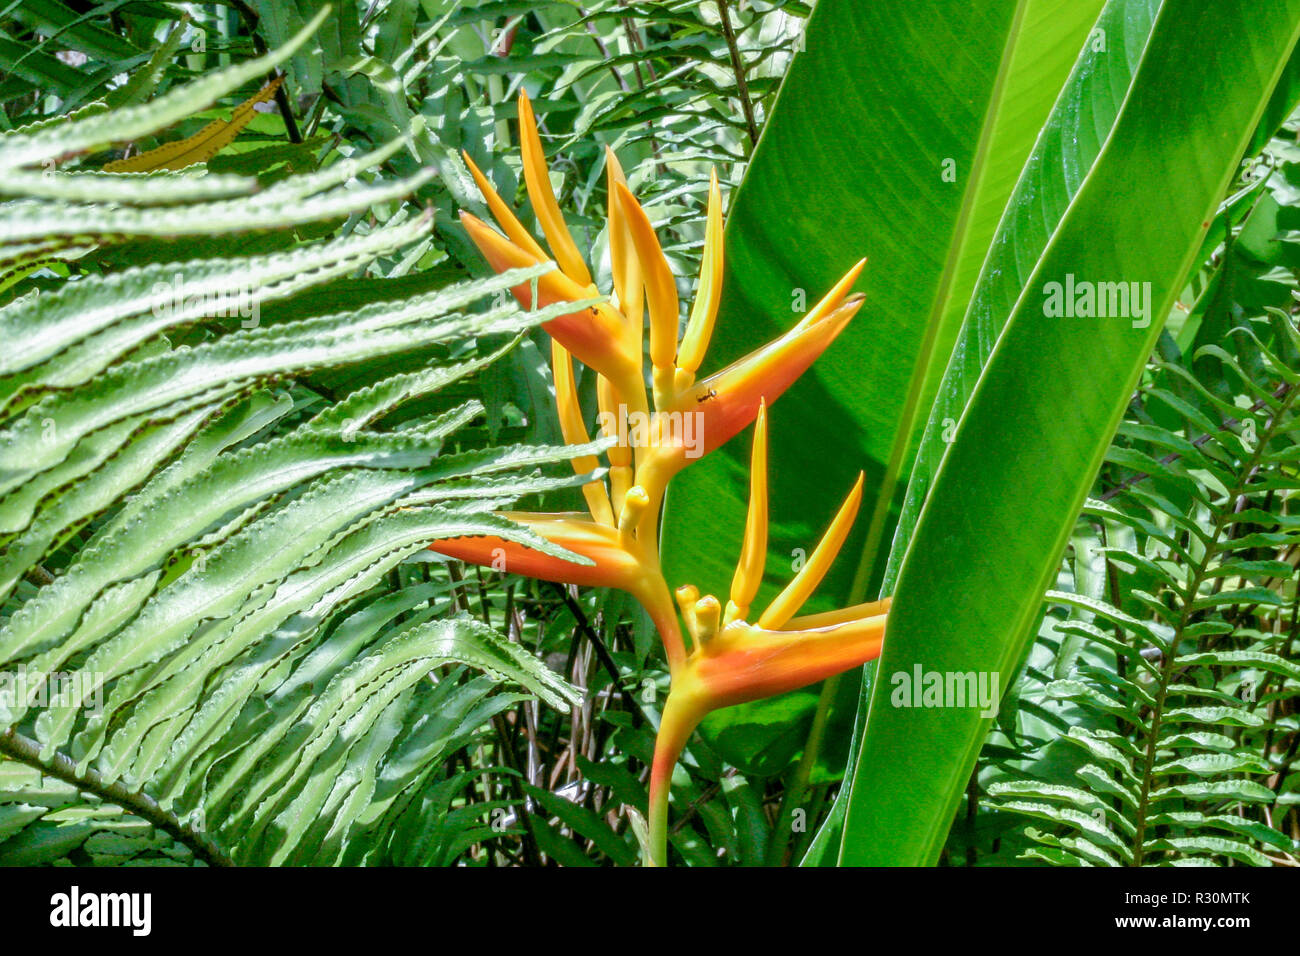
x: 656, y: 433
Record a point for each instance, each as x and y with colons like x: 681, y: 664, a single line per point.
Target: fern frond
x: 201, y: 655
x: 1200, y: 622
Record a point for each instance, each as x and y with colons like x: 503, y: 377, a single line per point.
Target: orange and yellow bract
x: 729, y: 660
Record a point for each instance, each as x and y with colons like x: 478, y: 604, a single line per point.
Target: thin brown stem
x: 738, y: 67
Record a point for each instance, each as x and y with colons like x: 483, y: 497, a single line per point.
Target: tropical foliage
x: 286, y: 430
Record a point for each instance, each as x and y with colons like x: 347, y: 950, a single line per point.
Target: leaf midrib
x: 938, y: 307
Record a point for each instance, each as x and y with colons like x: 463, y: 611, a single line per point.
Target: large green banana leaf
x: 898, y: 135
x: 1121, y: 187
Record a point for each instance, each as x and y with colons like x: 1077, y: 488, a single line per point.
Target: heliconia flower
x: 732, y: 661
x: 608, y: 337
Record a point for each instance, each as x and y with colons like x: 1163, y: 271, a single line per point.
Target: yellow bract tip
x: 753, y: 553
x: 615, y: 169
x: 575, y: 432
x: 833, y: 299
x: 500, y: 252
x: 841, y: 616
x: 708, y: 293
x: 804, y: 583
x: 661, y: 288
x: 538, y: 180
x: 629, y: 286
x: 502, y: 213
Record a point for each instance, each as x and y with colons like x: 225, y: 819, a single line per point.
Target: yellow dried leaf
x: 200, y: 147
